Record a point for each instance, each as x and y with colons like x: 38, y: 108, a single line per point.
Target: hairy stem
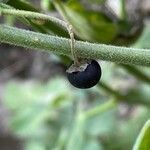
x: 33, y: 40
x: 33, y: 15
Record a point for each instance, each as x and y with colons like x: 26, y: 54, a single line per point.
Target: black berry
x: 86, y: 77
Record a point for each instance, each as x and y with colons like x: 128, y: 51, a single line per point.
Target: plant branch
x: 46, y: 26
x: 111, y: 91
x: 137, y: 73
x: 5, y: 6
x: 33, y: 40
x: 99, y: 109
x: 33, y: 15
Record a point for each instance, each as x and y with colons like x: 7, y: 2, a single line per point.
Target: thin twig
x: 99, y: 109
x: 33, y: 15
x: 111, y: 91
x: 137, y: 73
x: 75, y: 58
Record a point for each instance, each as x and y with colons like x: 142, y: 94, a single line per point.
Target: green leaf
x: 143, y: 140
x: 102, y: 124
x: 92, y: 144
x: 24, y: 5
x: 34, y: 145
x: 4, y: 1
x: 35, y: 104
x: 43, y: 27
x: 97, y: 1
x: 54, y: 93
x: 144, y: 40
x: 88, y: 25
x: 125, y: 130
x: 46, y: 5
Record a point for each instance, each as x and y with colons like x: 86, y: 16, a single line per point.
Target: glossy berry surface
x: 87, y: 78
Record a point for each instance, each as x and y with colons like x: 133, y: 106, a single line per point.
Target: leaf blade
x: 143, y: 140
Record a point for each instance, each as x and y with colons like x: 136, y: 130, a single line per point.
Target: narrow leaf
x: 143, y: 140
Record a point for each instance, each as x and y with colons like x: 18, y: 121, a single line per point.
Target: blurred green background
x: 40, y: 110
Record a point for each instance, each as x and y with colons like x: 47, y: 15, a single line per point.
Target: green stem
x: 46, y: 26
x: 137, y: 73
x: 123, y: 10
x: 33, y: 40
x: 61, y: 9
x: 111, y: 91
x: 77, y: 135
x: 99, y: 109
x: 33, y: 15
x: 5, y: 6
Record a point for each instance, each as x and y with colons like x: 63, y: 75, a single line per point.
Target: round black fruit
x: 86, y: 78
